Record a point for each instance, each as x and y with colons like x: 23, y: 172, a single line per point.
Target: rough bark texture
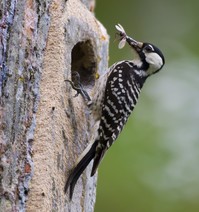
x: 43, y: 129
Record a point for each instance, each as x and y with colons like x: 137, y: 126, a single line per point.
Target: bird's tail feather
x: 98, y: 158
x: 79, y: 168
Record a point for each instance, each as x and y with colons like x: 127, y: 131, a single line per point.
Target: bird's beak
x: 134, y: 44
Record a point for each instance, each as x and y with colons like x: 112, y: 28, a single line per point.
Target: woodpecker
x: 123, y: 83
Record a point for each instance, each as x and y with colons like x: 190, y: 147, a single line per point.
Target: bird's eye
x: 149, y: 48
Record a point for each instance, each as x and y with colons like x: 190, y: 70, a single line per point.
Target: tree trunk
x: 43, y: 128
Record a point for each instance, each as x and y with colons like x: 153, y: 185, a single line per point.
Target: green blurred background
x: 154, y: 165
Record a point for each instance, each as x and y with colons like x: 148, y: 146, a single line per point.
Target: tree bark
x: 43, y: 128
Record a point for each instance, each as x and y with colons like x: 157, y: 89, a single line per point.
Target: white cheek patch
x: 154, y: 60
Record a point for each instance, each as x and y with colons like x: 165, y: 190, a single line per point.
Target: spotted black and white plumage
x: 121, y: 95
x: 117, y: 99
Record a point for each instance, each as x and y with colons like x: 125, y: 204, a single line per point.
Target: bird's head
x: 149, y: 58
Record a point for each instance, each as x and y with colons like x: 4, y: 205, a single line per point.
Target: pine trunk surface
x: 43, y: 128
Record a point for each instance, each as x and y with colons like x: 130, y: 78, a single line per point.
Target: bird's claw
x: 76, y: 85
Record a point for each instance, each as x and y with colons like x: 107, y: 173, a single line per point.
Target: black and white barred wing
x: 120, y: 98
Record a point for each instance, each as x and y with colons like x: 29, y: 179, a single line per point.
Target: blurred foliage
x: 153, y: 166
